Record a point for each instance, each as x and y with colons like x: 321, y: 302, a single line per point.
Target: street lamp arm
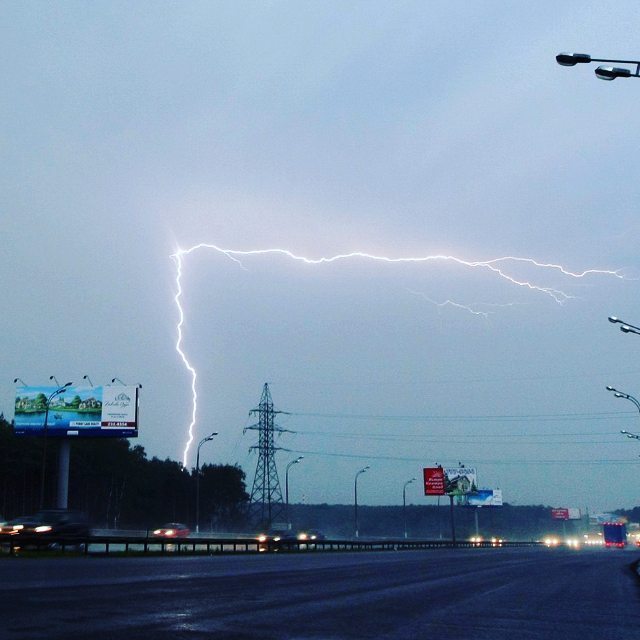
x: 616, y: 61
x: 58, y: 391
x: 571, y: 59
x: 626, y: 326
x: 296, y: 461
x: 626, y: 396
x: 603, y: 72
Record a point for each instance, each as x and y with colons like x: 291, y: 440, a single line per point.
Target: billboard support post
x: 57, y: 392
x: 43, y: 466
x: 477, y: 527
x: 63, y: 474
x: 453, y: 521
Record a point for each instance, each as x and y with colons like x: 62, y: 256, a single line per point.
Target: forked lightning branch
x: 502, y: 268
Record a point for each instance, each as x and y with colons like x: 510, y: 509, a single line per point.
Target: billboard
x: 560, y: 513
x: 460, y: 480
x: 574, y: 513
x: 601, y: 518
x: 485, y: 498
x: 433, y: 481
x: 83, y: 411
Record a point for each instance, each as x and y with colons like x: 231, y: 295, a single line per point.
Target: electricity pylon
x: 266, y: 505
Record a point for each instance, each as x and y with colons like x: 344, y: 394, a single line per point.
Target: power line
x: 492, y: 379
x: 359, y: 456
x: 462, y: 440
x: 447, y: 437
x: 540, y: 417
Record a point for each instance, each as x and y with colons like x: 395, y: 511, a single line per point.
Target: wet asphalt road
x: 474, y: 594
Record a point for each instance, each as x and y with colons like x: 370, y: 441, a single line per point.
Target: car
x: 172, y: 530
x: 49, y: 523
x: 274, y: 538
x: 309, y: 535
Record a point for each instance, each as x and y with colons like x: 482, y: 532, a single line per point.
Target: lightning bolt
x: 449, y: 303
x: 498, y: 266
x: 470, y: 308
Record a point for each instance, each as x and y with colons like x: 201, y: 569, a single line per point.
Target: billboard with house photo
x: 460, y: 480
x: 77, y: 411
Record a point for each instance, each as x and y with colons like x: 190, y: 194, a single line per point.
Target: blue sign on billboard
x: 77, y: 411
x: 485, y: 498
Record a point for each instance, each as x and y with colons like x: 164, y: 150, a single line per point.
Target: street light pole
x: 602, y: 72
x: 404, y: 504
x: 355, y: 497
x: 57, y: 392
x: 626, y: 396
x: 209, y: 437
x: 286, y: 487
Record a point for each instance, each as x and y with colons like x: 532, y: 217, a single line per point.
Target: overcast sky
x: 397, y: 129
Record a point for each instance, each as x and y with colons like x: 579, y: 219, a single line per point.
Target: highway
x: 470, y: 594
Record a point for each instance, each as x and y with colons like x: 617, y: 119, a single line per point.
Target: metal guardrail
x: 107, y: 544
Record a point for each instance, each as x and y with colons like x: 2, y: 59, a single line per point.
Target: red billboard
x: 560, y: 513
x: 434, y: 481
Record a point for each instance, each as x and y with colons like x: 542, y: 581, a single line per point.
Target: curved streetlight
x: 286, y: 487
x: 15, y: 380
x: 626, y: 396
x: 625, y: 327
x: 57, y: 392
x: 355, y: 497
x: 55, y: 380
x: 211, y: 436
x: 88, y: 379
x: 404, y: 504
x: 604, y: 72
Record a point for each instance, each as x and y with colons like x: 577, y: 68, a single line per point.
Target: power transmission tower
x: 266, y: 505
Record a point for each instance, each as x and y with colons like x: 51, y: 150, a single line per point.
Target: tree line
x: 117, y: 485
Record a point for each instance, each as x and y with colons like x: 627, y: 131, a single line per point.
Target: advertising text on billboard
x: 434, y: 481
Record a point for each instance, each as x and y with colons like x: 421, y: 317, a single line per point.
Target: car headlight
x: 45, y: 528
x: 262, y: 538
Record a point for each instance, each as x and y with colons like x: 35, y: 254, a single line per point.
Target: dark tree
x: 223, y: 496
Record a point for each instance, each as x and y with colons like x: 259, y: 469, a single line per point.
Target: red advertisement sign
x: 434, y: 481
x: 560, y: 514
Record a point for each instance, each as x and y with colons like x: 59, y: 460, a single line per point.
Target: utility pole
x: 266, y: 505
